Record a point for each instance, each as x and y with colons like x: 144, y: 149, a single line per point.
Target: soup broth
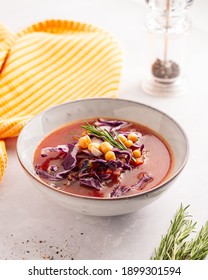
x: 103, y: 158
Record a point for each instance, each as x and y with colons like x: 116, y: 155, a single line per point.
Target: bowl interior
x: 55, y: 117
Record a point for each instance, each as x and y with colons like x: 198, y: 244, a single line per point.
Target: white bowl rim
x: 160, y: 186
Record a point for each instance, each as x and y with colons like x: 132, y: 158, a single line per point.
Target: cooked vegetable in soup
x: 103, y: 158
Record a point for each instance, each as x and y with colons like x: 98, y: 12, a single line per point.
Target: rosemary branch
x: 105, y: 135
x: 175, y: 246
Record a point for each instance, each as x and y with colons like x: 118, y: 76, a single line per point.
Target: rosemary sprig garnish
x: 105, y: 135
x: 175, y: 246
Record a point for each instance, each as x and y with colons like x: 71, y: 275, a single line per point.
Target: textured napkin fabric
x: 49, y: 63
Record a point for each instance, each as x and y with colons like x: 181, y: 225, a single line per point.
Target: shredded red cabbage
x: 144, y: 178
x: 126, y: 153
x: 110, y: 125
x: 114, y: 164
x: 121, y: 190
x: 46, y: 175
x: 70, y: 160
x: 60, y: 148
x: 142, y: 148
x: 91, y: 182
x: 95, y: 172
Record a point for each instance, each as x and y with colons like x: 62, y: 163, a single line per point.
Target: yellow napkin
x: 49, y: 63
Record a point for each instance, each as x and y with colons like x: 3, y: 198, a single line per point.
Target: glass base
x: 164, y: 89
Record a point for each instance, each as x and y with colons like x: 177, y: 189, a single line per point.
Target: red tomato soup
x: 103, y: 158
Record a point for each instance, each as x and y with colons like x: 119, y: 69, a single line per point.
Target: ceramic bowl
x: 51, y: 119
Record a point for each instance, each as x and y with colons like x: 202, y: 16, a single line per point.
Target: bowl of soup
x: 103, y: 156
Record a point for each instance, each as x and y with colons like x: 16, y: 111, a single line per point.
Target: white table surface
x: 34, y: 227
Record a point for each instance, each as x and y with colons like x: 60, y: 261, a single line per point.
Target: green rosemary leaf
x: 107, y: 136
x: 175, y: 246
x: 104, y: 134
x: 119, y: 140
x: 197, y: 248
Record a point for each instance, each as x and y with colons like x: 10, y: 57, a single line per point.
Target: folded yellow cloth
x: 49, y: 63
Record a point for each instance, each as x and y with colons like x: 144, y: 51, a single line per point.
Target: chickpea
x: 84, y: 141
x: 122, y: 138
x: 110, y: 156
x: 105, y: 147
x: 133, y: 137
x: 128, y: 143
x: 137, y: 153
